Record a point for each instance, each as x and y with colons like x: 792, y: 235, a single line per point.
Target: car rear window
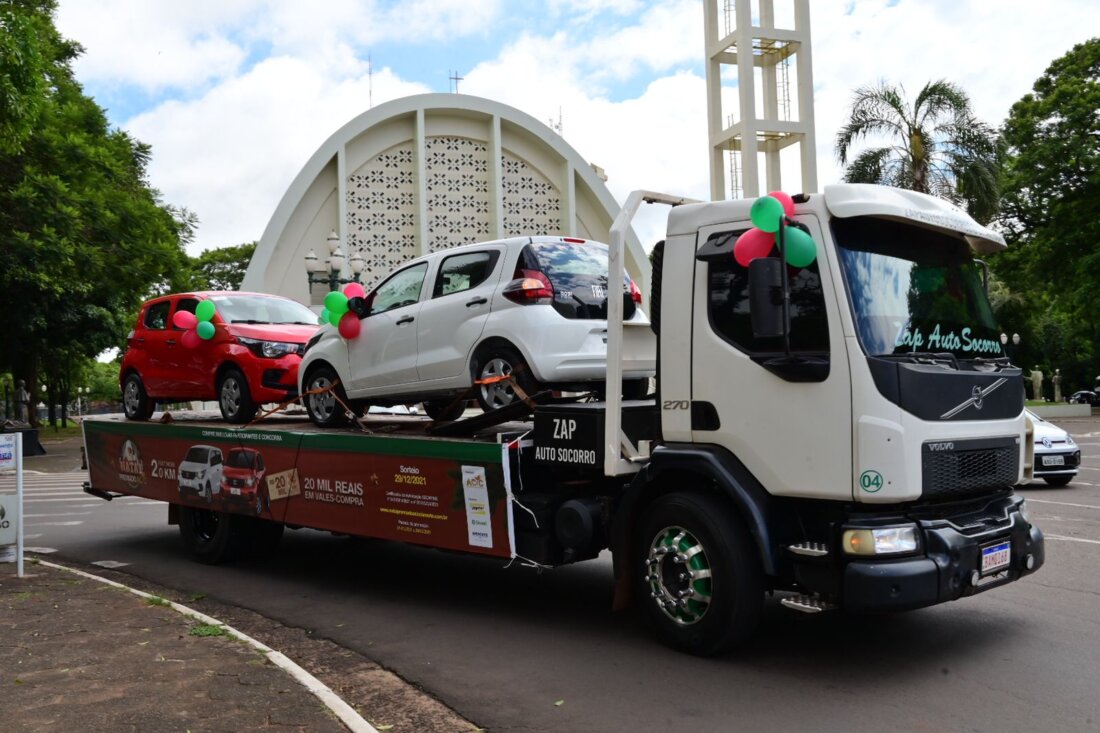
x: 578, y: 273
x: 156, y: 315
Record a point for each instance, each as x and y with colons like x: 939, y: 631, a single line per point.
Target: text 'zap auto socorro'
x: 241, y: 349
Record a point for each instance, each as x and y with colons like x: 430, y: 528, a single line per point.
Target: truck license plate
x: 1054, y: 460
x: 995, y: 557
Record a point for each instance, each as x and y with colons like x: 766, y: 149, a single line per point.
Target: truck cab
x: 860, y: 456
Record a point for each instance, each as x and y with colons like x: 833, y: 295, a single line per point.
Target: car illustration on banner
x: 242, y: 477
x: 200, y: 472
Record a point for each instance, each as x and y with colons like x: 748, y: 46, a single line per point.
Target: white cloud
x: 258, y: 86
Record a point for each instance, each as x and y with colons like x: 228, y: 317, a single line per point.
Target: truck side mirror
x: 766, y: 297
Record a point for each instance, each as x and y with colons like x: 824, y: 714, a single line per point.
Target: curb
x: 347, y: 715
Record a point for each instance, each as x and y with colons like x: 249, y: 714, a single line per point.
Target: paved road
x: 502, y: 646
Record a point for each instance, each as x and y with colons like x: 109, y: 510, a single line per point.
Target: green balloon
x: 324, y: 316
x: 205, y: 311
x: 206, y: 330
x: 766, y: 213
x: 334, y: 318
x: 337, y: 303
x: 800, y: 247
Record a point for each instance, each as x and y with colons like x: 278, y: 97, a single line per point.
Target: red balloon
x: 786, y: 200
x: 190, y: 339
x: 354, y: 290
x: 184, y: 320
x: 752, y: 244
x: 349, y: 325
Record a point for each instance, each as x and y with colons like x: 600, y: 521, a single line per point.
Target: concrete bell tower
x: 765, y: 122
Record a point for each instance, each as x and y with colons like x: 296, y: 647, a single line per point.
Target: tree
x: 1051, y: 208
x: 223, y: 268
x: 84, y: 237
x: 934, y: 145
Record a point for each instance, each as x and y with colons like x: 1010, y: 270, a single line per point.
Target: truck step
x: 808, y: 604
x: 810, y: 549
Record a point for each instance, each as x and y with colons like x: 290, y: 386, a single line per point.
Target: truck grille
x: 960, y: 468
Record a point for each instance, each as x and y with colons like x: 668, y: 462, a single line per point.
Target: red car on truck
x: 251, y: 359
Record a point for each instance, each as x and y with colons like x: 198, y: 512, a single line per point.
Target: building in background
x: 425, y: 173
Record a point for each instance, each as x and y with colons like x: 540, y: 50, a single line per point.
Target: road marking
x: 41, y: 550
x: 1062, y: 503
x: 1070, y: 539
x: 59, y: 514
x: 110, y: 564
x: 43, y: 501
x: 56, y: 524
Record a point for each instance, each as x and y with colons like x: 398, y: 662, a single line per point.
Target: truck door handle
x: 476, y: 301
x: 404, y: 320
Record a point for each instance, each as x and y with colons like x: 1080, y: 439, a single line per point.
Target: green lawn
x: 46, y: 433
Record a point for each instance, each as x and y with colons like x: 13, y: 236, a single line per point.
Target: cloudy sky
x: 235, y: 95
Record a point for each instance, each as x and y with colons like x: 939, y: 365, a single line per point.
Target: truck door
x: 789, y: 424
x: 385, y: 353
x: 452, y: 320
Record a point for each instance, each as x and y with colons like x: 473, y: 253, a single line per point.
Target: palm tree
x: 935, y: 145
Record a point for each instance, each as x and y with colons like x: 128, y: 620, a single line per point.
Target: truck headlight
x: 880, y: 540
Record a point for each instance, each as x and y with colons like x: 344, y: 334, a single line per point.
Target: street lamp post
x: 1015, y: 345
x: 330, y: 272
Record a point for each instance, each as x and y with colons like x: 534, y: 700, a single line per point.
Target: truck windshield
x: 914, y: 290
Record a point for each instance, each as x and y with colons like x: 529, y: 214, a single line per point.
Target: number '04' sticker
x: 870, y: 481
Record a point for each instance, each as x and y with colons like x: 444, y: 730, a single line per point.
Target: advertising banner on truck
x: 441, y: 493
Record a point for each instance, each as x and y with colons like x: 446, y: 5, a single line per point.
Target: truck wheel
x: 502, y: 361
x: 698, y: 574
x: 135, y: 402
x: 445, y: 410
x: 324, y: 410
x: 209, y: 535
x: 234, y: 398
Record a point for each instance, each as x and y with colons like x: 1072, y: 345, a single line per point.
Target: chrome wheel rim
x: 323, y: 406
x: 678, y: 575
x: 497, y: 394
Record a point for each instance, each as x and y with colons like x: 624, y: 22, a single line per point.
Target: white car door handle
x: 476, y: 301
x: 404, y: 320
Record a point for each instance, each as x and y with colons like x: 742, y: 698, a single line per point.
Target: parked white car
x: 1056, y: 455
x: 200, y: 471
x: 531, y: 307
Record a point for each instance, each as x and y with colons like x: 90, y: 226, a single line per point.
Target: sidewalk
x: 76, y: 654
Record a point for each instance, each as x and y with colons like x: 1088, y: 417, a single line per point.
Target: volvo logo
x: 976, y: 396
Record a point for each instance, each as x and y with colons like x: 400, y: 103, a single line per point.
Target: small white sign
x: 9, y: 513
x: 7, y: 451
x: 479, y: 526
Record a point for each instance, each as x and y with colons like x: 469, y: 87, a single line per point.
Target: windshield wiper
x: 924, y: 357
x: 252, y: 321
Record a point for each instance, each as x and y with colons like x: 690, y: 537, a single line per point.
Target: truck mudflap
x: 963, y: 555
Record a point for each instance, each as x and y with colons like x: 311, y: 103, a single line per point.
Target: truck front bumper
x: 950, y: 566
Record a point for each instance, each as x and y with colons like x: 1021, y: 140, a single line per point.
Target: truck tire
x: 234, y: 397
x: 497, y: 361
x: 698, y: 574
x: 211, y: 537
x: 135, y: 401
x: 324, y: 409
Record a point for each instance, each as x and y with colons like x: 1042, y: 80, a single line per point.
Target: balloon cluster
x: 342, y: 309
x: 768, y: 214
x: 196, y: 326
